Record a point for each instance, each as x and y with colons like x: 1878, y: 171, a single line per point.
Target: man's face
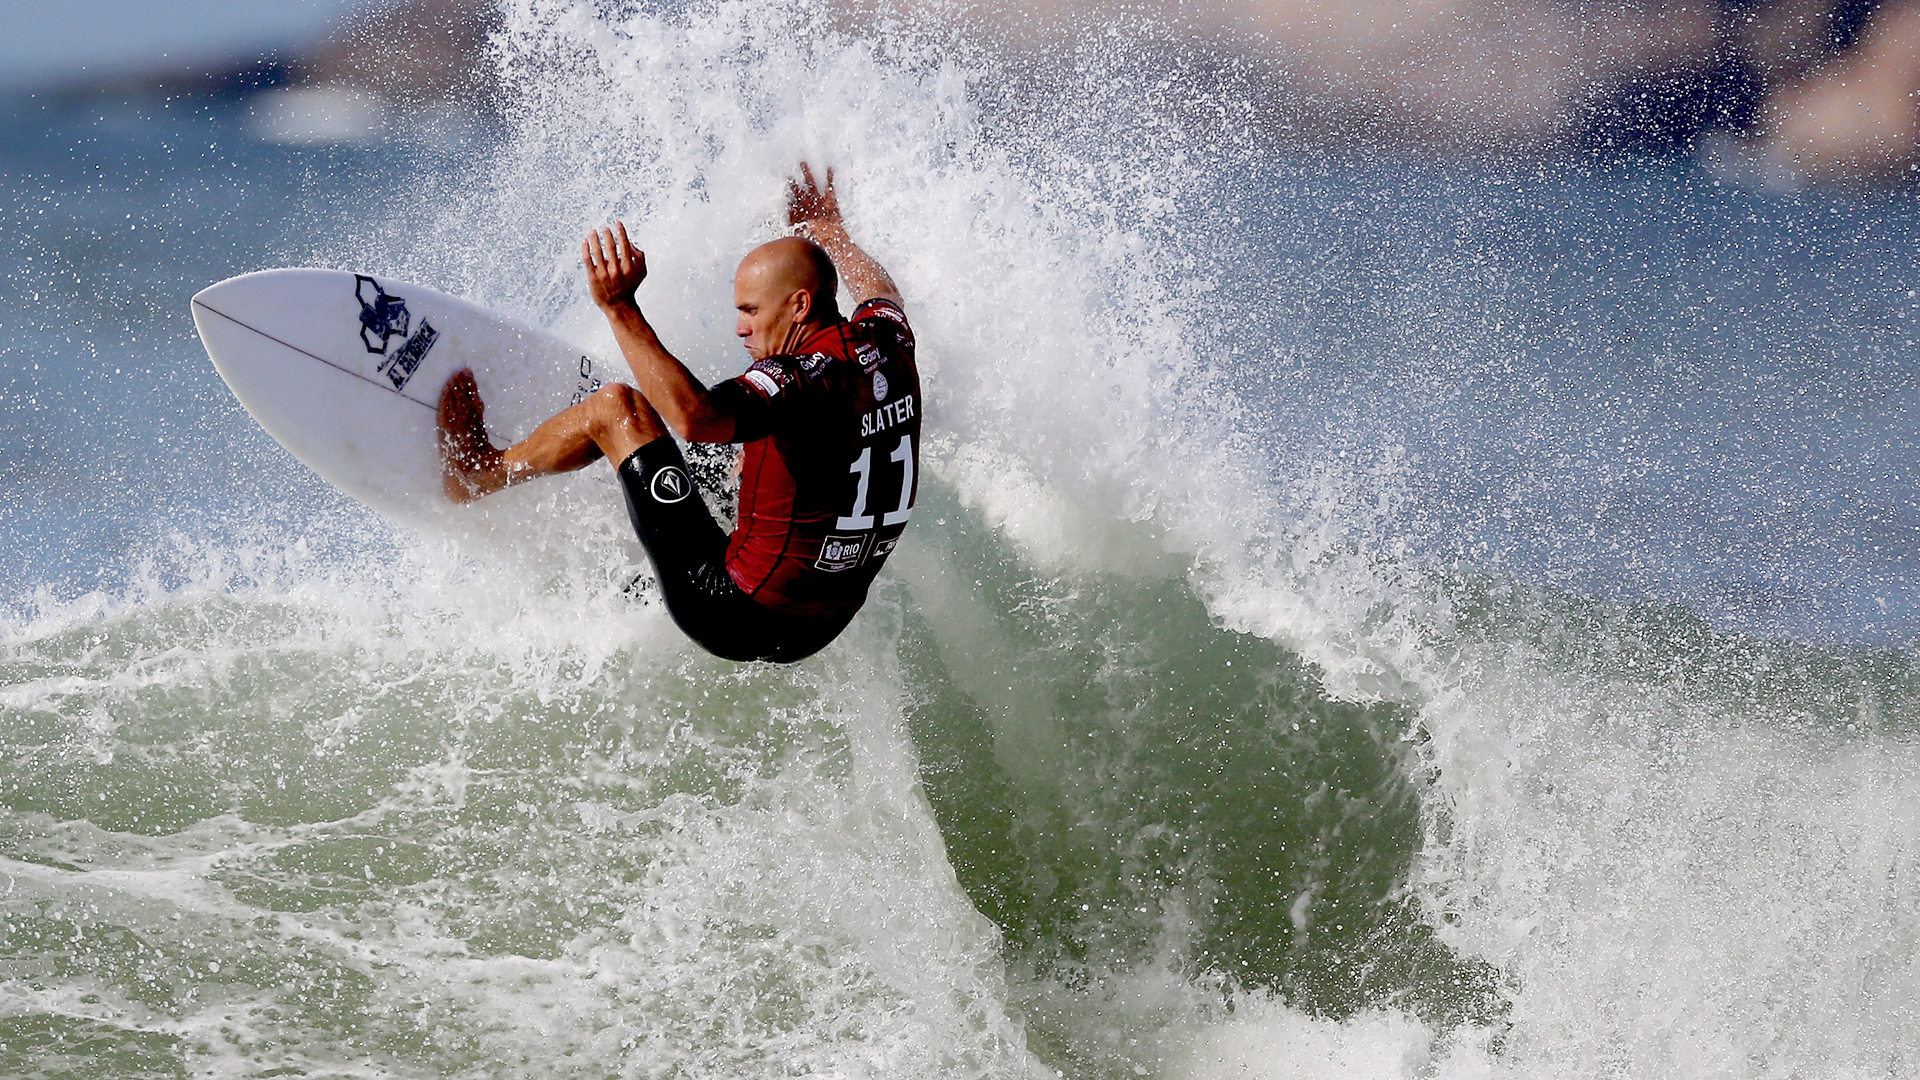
x: 768, y: 312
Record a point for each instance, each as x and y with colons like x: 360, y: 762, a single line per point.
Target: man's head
x: 784, y: 290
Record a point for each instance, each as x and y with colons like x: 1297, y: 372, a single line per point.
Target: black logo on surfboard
x: 384, y: 316
x: 381, y: 316
x: 406, y: 359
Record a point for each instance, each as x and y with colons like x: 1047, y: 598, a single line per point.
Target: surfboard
x: 345, y: 370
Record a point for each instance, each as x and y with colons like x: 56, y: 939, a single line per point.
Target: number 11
x: 863, y: 467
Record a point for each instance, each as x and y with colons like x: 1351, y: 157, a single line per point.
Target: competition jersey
x: 832, y: 436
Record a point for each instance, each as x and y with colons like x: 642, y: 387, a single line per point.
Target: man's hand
x: 807, y: 201
x: 615, y: 268
x: 813, y: 210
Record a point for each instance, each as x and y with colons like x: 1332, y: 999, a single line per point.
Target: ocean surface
x: 1362, y: 619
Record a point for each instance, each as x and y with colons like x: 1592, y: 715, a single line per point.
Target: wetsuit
x: 828, y: 480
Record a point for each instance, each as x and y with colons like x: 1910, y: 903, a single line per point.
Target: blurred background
x: 310, y: 70
x: 1794, y: 91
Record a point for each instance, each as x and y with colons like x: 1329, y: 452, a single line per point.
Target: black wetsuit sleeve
x: 761, y: 396
x: 752, y: 414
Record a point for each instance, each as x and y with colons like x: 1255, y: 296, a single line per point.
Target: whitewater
x: 1362, y: 619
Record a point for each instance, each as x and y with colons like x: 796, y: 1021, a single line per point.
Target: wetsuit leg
x: 689, y: 553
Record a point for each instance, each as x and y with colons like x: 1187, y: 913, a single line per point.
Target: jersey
x: 831, y: 466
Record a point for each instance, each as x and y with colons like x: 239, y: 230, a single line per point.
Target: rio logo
x: 839, y: 552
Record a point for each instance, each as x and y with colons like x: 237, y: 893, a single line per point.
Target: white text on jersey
x: 884, y: 417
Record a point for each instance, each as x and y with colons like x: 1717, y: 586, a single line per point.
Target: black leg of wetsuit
x: 689, y: 553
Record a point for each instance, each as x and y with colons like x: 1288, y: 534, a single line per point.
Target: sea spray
x: 1703, y: 839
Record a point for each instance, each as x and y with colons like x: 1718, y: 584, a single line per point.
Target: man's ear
x: 802, y: 301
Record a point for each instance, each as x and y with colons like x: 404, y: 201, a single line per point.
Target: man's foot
x: 470, y: 465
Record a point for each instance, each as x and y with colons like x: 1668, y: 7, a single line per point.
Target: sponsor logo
x: 879, y: 386
x: 868, y: 356
x: 813, y: 363
x: 887, y: 311
x: 406, y: 359
x: 884, y: 548
x: 838, y: 552
x: 381, y: 316
x: 670, y: 485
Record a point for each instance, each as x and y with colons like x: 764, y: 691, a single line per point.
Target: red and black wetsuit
x: 831, y: 469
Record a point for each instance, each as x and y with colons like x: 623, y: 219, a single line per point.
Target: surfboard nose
x: 345, y: 371
x: 266, y: 288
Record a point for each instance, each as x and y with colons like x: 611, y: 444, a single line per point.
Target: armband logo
x: 880, y: 386
x: 768, y: 384
x: 670, y: 485
x: 868, y: 355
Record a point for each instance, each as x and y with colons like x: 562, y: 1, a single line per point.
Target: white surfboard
x: 345, y: 371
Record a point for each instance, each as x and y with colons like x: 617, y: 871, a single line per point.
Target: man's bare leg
x: 612, y: 423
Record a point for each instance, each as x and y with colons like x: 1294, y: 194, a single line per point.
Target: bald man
x: 829, y: 412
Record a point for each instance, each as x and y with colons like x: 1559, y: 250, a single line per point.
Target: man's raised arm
x: 814, y: 211
x: 615, y: 268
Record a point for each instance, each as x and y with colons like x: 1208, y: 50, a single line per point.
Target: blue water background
x: 119, y: 444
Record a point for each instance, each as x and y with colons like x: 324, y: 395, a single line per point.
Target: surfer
x: 828, y: 412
